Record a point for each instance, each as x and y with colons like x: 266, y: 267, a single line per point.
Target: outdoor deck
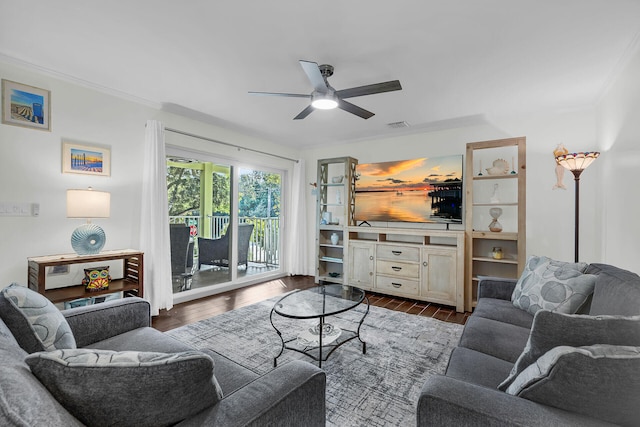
x: 263, y: 252
x: 209, y: 276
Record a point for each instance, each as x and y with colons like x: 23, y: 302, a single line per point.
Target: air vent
x: 396, y: 125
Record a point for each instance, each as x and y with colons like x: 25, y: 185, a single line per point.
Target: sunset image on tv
x: 416, y: 190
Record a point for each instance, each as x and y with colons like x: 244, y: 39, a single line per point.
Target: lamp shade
x: 577, y: 161
x: 88, y: 204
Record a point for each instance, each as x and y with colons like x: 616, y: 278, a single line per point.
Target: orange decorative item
x: 96, y: 279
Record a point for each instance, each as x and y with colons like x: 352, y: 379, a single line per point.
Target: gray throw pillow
x: 24, y: 401
x: 550, y: 330
x: 617, y: 291
x: 600, y: 381
x: 34, y: 321
x: 546, y: 284
x: 102, y: 387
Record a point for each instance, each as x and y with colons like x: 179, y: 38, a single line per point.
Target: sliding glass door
x: 259, y: 195
x: 221, y: 247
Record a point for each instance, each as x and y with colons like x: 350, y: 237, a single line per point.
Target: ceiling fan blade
x: 354, y: 109
x: 291, y: 95
x: 312, y: 71
x: 304, y: 113
x: 369, y: 89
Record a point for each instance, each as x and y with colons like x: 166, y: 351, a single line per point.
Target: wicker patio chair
x: 216, y: 251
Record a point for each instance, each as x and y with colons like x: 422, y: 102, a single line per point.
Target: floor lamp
x: 576, y: 163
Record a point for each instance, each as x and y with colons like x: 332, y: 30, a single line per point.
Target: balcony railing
x: 264, y: 243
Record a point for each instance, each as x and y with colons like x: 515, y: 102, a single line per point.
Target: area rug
x: 379, y: 388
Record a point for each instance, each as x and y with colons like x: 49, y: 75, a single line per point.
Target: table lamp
x: 88, y: 239
x: 576, y: 163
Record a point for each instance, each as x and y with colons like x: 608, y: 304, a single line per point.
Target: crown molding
x: 77, y: 81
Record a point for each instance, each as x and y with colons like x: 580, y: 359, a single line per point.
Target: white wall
x: 31, y: 171
x: 619, y: 138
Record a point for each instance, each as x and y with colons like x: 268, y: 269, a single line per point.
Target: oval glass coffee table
x: 319, y: 303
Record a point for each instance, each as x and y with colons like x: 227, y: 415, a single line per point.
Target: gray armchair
x: 181, y: 249
x: 216, y: 251
x: 293, y: 394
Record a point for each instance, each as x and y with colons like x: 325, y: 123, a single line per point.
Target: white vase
x: 335, y: 239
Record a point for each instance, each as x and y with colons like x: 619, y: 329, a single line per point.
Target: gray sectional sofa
x: 123, y: 372
x: 582, y: 369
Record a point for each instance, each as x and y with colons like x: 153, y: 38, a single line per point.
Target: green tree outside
x: 260, y: 192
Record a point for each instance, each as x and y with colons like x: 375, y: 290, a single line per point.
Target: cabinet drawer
x: 398, y: 269
x: 401, y: 253
x: 410, y: 287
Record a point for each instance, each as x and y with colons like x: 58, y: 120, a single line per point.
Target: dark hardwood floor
x: 193, y: 311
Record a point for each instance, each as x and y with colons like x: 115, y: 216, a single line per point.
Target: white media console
x: 421, y: 264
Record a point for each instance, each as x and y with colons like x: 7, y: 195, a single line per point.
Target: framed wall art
x: 85, y: 159
x: 26, y: 106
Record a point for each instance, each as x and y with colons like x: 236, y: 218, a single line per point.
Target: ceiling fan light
x: 324, y: 104
x: 325, y: 101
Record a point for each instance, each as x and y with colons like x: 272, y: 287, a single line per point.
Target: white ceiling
x: 458, y: 61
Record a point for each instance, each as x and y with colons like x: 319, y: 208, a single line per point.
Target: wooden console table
x: 132, y: 282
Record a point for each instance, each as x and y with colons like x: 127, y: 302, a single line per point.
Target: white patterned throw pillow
x: 34, y: 321
x: 546, y: 284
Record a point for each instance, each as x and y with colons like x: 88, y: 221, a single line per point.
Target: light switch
x: 19, y: 209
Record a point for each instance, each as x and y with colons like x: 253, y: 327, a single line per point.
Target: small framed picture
x: 26, y: 106
x: 85, y: 159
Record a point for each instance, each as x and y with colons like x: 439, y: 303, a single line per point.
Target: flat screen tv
x: 425, y: 190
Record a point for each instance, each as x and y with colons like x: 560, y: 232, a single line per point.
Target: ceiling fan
x: 325, y: 97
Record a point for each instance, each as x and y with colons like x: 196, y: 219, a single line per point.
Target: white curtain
x: 295, y: 248
x: 154, y: 221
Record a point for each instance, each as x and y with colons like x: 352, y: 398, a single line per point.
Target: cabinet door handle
x: 396, y: 285
x: 425, y: 263
x: 394, y: 268
x: 371, y: 258
x: 396, y: 252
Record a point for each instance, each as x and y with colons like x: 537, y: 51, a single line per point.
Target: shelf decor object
x: 96, y: 278
x: 499, y: 167
x: 495, y: 226
x: 335, y: 239
x: 88, y: 239
x: 576, y: 163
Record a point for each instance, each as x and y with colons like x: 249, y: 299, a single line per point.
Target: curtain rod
x: 227, y: 144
